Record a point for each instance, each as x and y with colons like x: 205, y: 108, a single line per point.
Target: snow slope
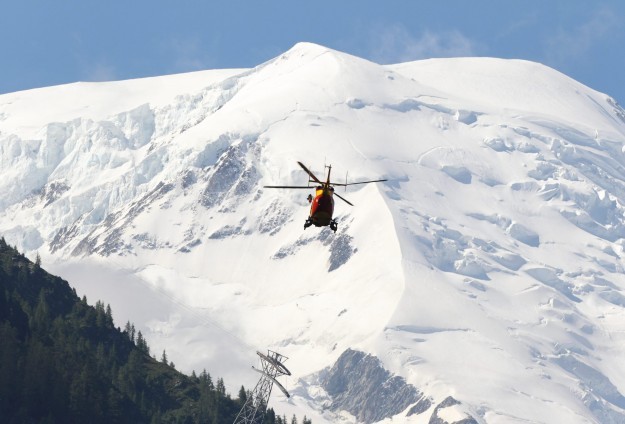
x: 488, y: 268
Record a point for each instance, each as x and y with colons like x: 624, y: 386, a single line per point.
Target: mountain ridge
x: 500, y: 229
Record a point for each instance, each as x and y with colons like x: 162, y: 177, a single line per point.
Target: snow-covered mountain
x: 483, y: 281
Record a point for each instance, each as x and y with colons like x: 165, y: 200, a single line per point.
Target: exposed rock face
x: 360, y: 385
x: 448, y: 403
x: 422, y: 405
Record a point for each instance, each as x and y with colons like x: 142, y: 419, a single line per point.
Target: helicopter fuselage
x: 322, y: 206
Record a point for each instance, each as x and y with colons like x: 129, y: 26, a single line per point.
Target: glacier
x: 486, y: 273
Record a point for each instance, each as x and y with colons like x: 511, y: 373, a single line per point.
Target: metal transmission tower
x: 253, y: 410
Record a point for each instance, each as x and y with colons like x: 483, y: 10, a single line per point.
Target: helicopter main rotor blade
x: 359, y: 182
x: 272, y: 186
x: 344, y: 199
x: 309, y: 173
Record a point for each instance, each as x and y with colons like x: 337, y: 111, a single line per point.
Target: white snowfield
x: 489, y: 267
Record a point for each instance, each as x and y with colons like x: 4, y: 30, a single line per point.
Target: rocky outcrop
x: 358, y: 383
x: 449, y: 402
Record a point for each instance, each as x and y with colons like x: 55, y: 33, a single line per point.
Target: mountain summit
x: 486, y: 273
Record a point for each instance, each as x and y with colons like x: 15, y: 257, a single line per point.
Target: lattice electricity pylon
x: 255, y: 406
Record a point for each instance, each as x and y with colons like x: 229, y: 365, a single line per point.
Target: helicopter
x: 322, y: 205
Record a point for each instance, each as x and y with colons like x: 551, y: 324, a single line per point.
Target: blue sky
x: 46, y: 43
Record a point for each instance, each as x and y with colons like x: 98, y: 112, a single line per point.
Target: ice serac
x: 487, y: 272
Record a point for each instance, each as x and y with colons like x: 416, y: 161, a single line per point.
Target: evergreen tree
x: 41, y: 317
x: 221, y: 387
x: 9, y: 360
x: 270, y: 416
x: 109, y: 315
x: 142, y: 344
x: 129, y: 329
x: 242, y: 395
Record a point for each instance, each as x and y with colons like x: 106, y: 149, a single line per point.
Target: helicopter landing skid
x: 333, y: 224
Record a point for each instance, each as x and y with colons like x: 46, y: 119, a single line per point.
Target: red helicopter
x: 322, y: 205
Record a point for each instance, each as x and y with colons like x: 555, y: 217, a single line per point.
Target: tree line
x: 62, y: 360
